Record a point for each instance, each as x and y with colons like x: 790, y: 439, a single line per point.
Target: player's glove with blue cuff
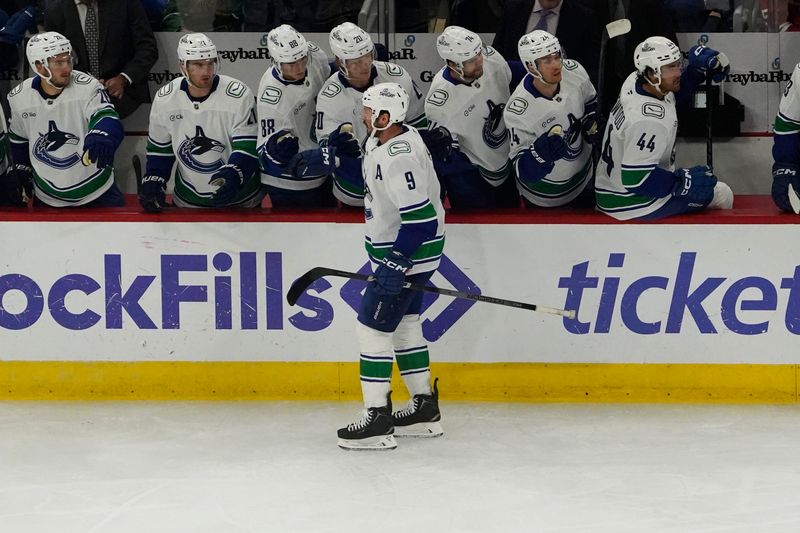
x: 548, y: 148
x: 18, y: 184
x: 312, y: 164
x: 695, y: 184
x: 784, y: 175
x: 281, y: 147
x: 438, y: 141
x: 590, y: 127
x: 228, y: 179
x: 98, y: 147
x: 344, y: 141
x: 390, y: 275
x: 703, y: 59
x: 153, y: 193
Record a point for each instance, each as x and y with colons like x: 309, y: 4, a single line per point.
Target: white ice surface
x: 274, y: 467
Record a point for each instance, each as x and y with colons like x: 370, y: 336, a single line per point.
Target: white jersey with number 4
x: 55, y: 129
x: 529, y: 115
x: 289, y: 105
x: 401, y: 189
x: 640, y: 135
x: 474, y: 114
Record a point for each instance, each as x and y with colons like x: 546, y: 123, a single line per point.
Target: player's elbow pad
x: 657, y: 184
x: 530, y: 170
x: 786, y: 148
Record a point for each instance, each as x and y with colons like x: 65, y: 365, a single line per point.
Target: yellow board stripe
x: 527, y: 382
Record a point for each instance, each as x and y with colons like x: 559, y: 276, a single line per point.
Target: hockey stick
x: 136, y: 162
x: 302, y: 283
x: 794, y: 200
x: 612, y: 30
x: 709, y: 124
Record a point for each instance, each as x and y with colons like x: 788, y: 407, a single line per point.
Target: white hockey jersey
x: 202, y: 135
x: 639, y: 136
x: 292, y: 106
x: 55, y: 129
x: 338, y: 103
x: 471, y: 114
x: 788, y: 120
x: 401, y: 188
x: 530, y: 114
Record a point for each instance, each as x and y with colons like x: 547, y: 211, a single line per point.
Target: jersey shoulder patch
x: 438, y: 97
x: 393, y: 70
x: 331, y: 90
x: 271, y: 95
x: 570, y: 64
x: 312, y: 47
x: 16, y: 90
x: 166, y: 89
x: 83, y: 79
x: 517, y: 105
x: 399, y: 147
x: 236, y: 89
x: 653, y: 109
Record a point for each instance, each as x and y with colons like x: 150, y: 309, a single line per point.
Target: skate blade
x: 382, y: 442
x: 424, y: 430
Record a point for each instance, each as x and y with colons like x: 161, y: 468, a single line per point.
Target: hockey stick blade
x: 794, y: 200
x: 618, y: 27
x: 303, y: 282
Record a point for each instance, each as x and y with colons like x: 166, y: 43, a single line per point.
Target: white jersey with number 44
x: 640, y: 135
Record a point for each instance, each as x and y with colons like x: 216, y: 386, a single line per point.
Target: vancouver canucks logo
x: 48, y: 144
x: 193, y: 149
x: 572, y: 136
x: 494, y: 129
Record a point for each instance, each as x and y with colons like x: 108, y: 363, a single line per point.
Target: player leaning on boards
x: 339, y: 105
x: 552, y: 121
x: 206, y: 122
x: 404, y: 239
x: 286, y: 107
x: 786, y: 148
x: 64, y: 132
x: 635, y: 177
x: 467, y: 97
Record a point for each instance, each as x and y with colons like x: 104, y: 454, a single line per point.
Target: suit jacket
x: 579, y: 30
x: 127, y: 44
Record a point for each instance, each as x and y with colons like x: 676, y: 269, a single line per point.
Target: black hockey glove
x: 391, y: 274
x: 153, y: 194
x: 228, y: 180
x: 784, y: 175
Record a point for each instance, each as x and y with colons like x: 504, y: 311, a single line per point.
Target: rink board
x: 190, y: 308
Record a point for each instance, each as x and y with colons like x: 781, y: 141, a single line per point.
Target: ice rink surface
x: 275, y: 467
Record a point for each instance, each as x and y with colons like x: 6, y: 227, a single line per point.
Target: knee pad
x: 372, y: 341
x: 409, y: 333
x: 723, y: 197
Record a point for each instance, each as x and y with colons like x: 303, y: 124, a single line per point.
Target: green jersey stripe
x: 77, y: 191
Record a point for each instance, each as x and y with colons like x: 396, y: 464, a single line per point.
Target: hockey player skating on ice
x: 286, y: 106
x: 64, y: 132
x: 467, y: 97
x: 636, y: 178
x: 339, y: 104
x: 404, y: 240
x: 552, y: 122
x: 786, y: 147
x: 206, y: 123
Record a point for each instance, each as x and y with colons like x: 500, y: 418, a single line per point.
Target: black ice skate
x: 421, y: 417
x: 373, y: 432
